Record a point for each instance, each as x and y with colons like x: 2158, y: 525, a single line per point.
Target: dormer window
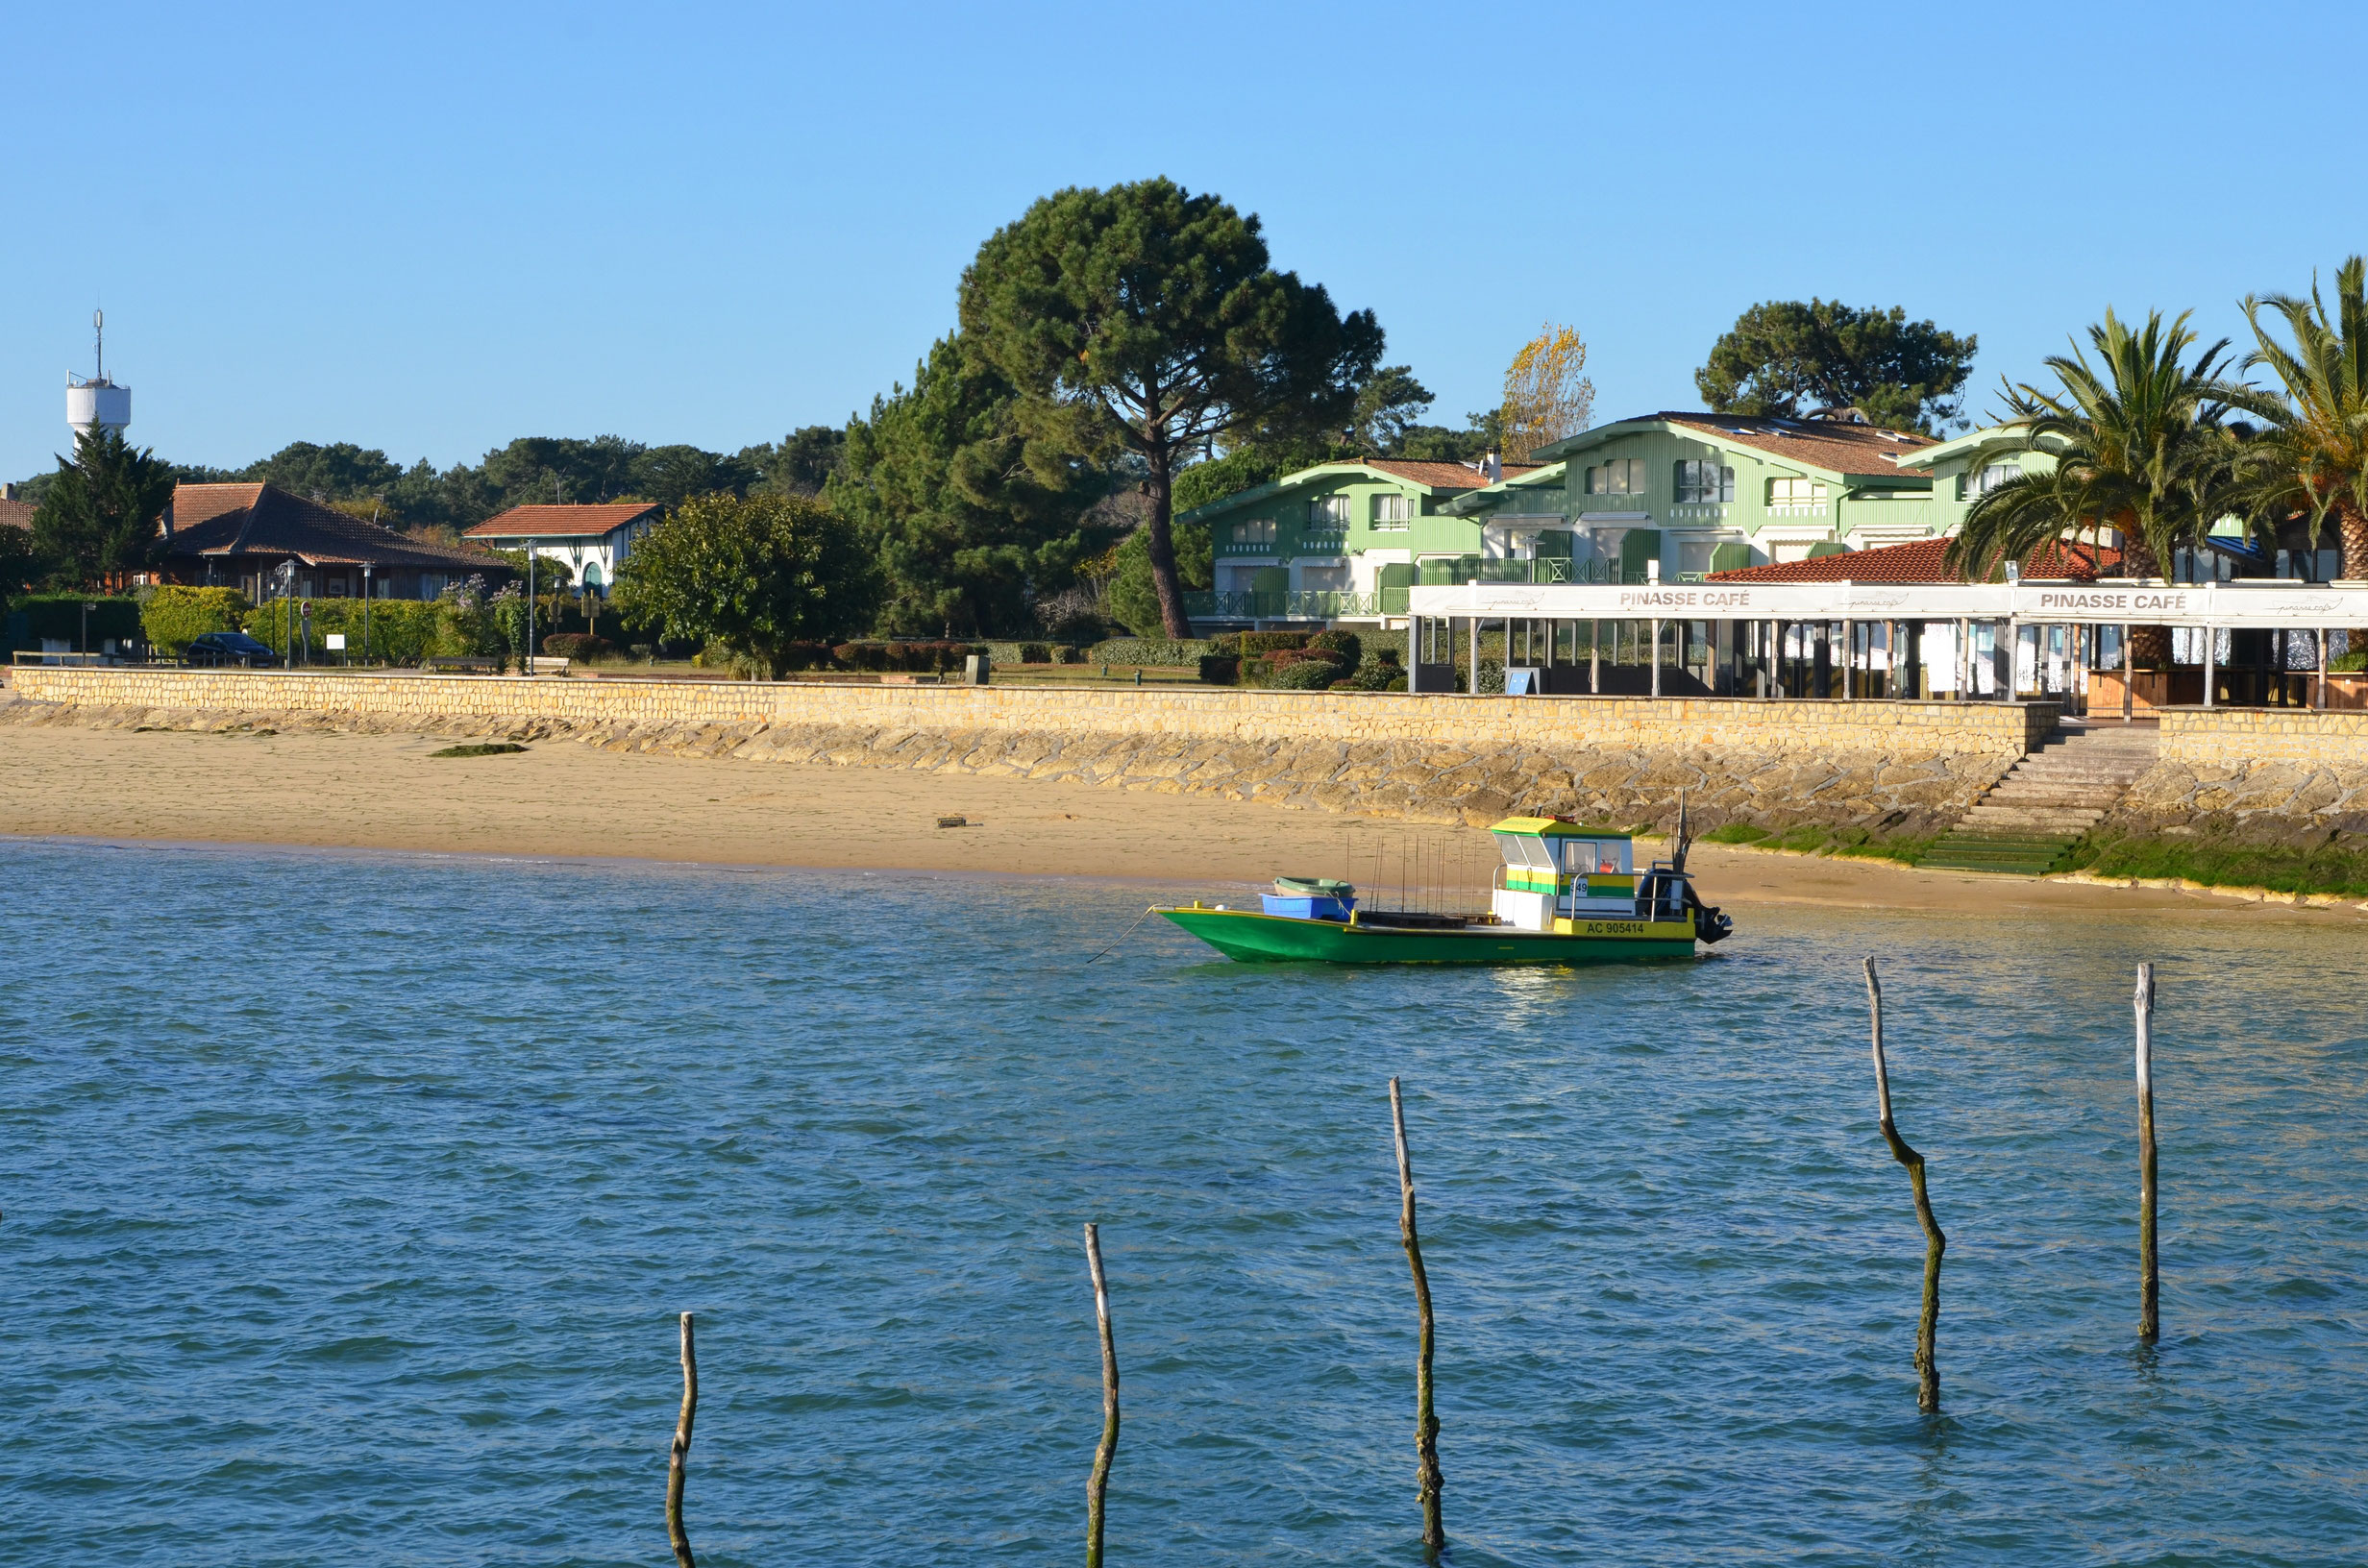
x: 1704, y: 484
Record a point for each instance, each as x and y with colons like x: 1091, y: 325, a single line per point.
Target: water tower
x: 97, y: 401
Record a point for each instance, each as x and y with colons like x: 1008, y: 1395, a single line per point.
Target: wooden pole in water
x: 1427, y: 1483
x: 2148, y: 1283
x: 679, y: 1461
x: 1098, y: 1486
x: 1928, y: 1324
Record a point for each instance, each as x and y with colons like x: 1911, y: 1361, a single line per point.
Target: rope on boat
x: 1147, y: 912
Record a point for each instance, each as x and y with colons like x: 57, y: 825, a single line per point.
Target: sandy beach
x: 389, y: 791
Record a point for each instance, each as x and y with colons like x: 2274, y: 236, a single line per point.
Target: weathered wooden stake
x: 1427, y: 1483
x: 1928, y: 1325
x: 1098, y: 1487
x: 679, y: 1460
x: 2149, y: 1285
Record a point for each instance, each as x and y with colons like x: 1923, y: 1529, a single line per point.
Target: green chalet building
x: 1664, y: 497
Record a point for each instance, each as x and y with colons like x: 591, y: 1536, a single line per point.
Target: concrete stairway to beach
x: 2030, y: 819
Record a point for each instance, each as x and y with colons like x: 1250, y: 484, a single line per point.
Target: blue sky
x: 433, y: 228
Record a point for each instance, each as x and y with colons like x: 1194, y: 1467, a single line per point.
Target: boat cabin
x: 1560, y: 871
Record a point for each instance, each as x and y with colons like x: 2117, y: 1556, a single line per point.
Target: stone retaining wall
x: 2282, y: 775
x: 1888, y: 766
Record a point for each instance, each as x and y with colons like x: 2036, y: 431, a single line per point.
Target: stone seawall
x: 1888, y: 766
x: 2278, y: 775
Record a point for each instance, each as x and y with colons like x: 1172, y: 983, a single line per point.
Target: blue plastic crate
x: 1307, y: 908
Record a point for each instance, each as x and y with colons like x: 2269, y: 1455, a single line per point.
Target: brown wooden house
x: 239, y: 536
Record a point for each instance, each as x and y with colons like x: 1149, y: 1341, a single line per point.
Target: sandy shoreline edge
x: 562, y: 800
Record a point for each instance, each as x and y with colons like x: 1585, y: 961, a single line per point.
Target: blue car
x: 218, y: 648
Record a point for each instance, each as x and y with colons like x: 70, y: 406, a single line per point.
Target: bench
x: 463, y: 666
x: 540, y: 666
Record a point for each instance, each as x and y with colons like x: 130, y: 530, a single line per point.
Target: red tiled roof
x: 229, y: 520
x: 1445, y: 476
x: 1924, y: 560
x: 17, y: 514
x: 1816, y: 443
x: 564, y: 521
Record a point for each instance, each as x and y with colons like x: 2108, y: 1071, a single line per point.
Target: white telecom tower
x: 97, y: 403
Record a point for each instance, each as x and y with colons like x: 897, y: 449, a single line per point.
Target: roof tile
x: 1925, y: 560
x: 549, y: 521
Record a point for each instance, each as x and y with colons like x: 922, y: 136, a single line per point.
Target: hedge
x: 1157, y: 651
x: 60, y: 617
x: 402, y: 630
x: 922, y: 658
x: 174, y: 617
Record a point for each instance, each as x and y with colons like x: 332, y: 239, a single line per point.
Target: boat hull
x: 1249, y: 937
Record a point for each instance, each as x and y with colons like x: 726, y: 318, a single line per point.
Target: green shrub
x: 1734, y: 833
x: 1068, y: 655
x: 1269, y: 641
x: 173, y: 617
x: 578, y: 646
x: 1493, y: 677
x: 1221, y: 669
x: 2349, y: 663
x: 1376, y: 676
x: 1306, y: 675
x: 1035, y: 653
x: 1345, y: 643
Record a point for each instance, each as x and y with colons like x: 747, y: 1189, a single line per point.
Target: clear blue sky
x: 433, y: 228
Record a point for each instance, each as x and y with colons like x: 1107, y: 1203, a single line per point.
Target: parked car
x: 216, y: 648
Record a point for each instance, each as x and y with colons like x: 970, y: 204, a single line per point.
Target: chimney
x: 8, y: 492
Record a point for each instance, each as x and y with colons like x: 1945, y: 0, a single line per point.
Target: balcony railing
x: 1551, y: 569
x: 1305, y: 604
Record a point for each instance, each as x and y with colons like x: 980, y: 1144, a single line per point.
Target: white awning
x: 2266, y: 603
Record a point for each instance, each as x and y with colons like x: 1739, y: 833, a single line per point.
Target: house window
x: 1258, y: 531
x: 1391, y: 512
x: 1701, y: 483
x: 1620, y: 476
x: 1327, y: 513
x: 1795, y: 493
x: 1974, y: 486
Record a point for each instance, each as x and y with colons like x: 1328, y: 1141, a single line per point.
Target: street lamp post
x: 365, y: 614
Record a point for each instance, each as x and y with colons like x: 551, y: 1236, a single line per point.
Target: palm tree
x: 2140, y: 444
x: 2310, y: 455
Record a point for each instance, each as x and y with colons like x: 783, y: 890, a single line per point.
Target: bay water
x: 347, y: 1202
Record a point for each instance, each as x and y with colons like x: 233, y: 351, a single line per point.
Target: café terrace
x: 2249, y: 641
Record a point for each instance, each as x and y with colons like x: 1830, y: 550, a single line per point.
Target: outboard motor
x: 1709, y: 926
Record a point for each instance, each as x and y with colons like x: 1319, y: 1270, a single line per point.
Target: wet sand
x: 558, y: 798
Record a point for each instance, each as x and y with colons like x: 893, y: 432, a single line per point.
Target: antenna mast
x: 98, y: 349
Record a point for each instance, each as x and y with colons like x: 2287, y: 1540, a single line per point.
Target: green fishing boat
x: 1566, y: 893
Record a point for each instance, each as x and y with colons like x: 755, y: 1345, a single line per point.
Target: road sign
x: 335, y: 641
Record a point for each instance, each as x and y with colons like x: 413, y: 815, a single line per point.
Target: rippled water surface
x: 348, y: 1202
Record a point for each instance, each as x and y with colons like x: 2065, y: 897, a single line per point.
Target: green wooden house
x: 1677, y: 494
x: 1344, y: 541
